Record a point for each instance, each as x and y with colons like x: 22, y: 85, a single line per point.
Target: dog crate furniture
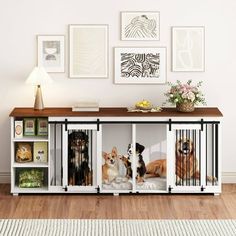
x: 99, y: 152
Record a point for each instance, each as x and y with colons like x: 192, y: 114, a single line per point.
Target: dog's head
x: 139, y: 149
x: 78, y: 140
x: 111, y: 158
x: 126, y: 161
x: 184, y: 146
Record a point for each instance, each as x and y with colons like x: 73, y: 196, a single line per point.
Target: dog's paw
x: 211, y: 179
x: 178, y: 181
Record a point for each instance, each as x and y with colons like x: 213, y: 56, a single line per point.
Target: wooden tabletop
x: 113, y: 112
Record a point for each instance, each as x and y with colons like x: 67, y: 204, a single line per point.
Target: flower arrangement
x: 185, y: 94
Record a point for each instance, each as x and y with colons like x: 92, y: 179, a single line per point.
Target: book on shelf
x: 86, y: 106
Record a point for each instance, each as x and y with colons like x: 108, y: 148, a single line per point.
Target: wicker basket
x: 185, y: 107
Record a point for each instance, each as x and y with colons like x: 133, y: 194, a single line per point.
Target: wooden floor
x: 122, y: 207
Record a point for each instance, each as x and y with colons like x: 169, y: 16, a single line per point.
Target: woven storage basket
x: 185, y: 107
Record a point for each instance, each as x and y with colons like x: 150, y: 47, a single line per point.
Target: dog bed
x: 152, y: 184
x: 120, y: 183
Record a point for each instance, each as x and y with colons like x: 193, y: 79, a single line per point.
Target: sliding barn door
x: 193, y: 150
x: 80, y: 158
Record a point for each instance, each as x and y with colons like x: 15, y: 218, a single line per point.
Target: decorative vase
x: 185, y: 107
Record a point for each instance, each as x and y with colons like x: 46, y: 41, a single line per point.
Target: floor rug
x: 69, y: 227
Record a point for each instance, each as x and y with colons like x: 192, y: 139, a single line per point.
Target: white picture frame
x: 188, y: 48
x: 51, y: 52
x: 146, y: 65
x: 88, y: 51
x: 140, y: 25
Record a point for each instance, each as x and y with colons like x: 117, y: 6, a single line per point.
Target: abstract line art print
x: 88, y: 51
x: 140, y: 65
x: 188, y: 49
x: 140, y: 26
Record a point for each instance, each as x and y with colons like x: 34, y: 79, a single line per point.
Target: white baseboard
x: 227, y: 177
x: 5, y: 177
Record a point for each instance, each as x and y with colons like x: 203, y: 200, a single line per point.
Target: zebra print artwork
x: 140, y: 26
x: 135, y: 65
x: 140, y: 65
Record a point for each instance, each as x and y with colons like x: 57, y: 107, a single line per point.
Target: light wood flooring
x: 121, y: 207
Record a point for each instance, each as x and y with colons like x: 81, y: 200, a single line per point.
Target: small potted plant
x: 185, y: 96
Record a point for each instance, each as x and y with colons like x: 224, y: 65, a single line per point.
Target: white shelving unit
x: 15, y: 166
x: 158, y: 132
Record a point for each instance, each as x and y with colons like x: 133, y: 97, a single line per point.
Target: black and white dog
x: 78, y: 167
x: 141, y: 168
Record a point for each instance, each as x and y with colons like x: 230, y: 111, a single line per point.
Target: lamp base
x: 38, y: 104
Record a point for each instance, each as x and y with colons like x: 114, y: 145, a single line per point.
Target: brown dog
x: 186, y: 163
x: 156, y: 168
x: 110, y: 170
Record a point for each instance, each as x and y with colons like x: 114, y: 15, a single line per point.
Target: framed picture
x: 88, y: 51
x: 140, y: 65
x: 51, y: 52
x: 140, y: 25
x: 188, y: 48
x: 42, y: 126
x: 29, y: 127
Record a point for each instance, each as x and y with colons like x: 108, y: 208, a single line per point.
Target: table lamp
x: 38, y: 77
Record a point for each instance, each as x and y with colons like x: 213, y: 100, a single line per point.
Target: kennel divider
x: 134, y: 163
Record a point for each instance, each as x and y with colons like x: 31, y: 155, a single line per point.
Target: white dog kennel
x: 115, y: 151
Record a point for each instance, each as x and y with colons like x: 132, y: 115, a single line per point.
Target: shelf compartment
x: 151, y: 157
x: 116, y: 163
x: 29, y: 178
x: 30, y: 152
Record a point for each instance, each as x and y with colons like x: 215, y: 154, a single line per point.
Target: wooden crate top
x: 113, y: 112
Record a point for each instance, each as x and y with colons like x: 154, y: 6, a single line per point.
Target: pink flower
x: 188, y: 95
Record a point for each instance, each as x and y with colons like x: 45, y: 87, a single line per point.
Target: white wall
x: 21, y: 21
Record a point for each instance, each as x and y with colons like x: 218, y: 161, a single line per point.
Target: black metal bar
x: 169, y: 124
x: 176, y: 140
x: 55, y: 154
x: 133, y: 122
x: 202, y: 124
x: 98, y: 122
x: 189, y: 159
x: 200, y: 164
x: 216, y: 150
x: 61, y: 155
x: 206, y: 152
x: 193, y: 157
x: 66, y: 122
x: 91, y: 157
x: 186, y: 161
x: 213, y: 154
x: 182, y: 159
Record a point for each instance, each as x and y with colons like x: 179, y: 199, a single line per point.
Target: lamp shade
x: 39, y: 76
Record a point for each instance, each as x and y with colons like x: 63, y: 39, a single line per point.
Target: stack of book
x: 86, y: 106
